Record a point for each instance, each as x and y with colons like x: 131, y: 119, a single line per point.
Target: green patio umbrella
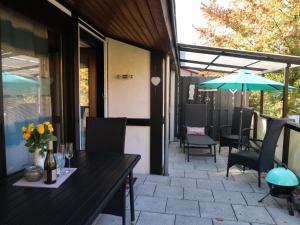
x: 244, y: 81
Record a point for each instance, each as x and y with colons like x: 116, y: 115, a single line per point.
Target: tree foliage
x: 258, y: 25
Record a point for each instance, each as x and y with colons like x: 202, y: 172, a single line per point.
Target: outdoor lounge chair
x: 259, y: 157
x: 231, y: 139
x: 196, y: 116
x: 107, y: 135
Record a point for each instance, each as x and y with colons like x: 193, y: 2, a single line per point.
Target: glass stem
x: 69, y: 163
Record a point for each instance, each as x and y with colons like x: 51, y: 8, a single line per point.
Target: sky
x: 188, y: 14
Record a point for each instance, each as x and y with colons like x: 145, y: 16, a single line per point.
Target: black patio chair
x: 259, y: 157
x: 107, y: 135
x: 230, y: 134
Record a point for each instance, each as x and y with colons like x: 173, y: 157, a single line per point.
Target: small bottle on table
x: 50, y: 166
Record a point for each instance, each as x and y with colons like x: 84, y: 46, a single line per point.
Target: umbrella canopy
x: 15, y: 85
x: 244, y: 81
x: 16, y: 81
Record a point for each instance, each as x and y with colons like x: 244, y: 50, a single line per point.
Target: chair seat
x: 231, y: 137
x: 248, y: 158
x: 248, y: 154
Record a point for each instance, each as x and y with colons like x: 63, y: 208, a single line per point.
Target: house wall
x: 294, y: 153
x: 130, y: 98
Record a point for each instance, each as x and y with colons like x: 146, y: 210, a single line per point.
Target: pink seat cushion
x: 196, y: 131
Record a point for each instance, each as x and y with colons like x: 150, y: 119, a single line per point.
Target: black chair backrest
x: 195, y: 115
x: 246, y: 120
x: 105, y: 134
x: 268, y: 147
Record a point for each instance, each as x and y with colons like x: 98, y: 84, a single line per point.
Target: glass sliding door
x: 25, y: 82
x: 84, y: 95
x: 91, y: 85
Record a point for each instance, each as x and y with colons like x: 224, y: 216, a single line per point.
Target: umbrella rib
x: 274, y: 87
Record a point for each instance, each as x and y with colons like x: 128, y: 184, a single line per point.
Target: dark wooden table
x: 79, y: 200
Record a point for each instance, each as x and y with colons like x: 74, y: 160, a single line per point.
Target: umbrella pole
x: 241, y: 117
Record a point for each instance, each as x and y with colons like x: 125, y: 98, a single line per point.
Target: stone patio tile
x: 245, y: 177
x: 252, y: 214
x: 224, y: 222
x: 144, y: 189
x: 147, y: 218
x: 176, y: 173
x: 237, y: 186
x: 263, y: 189
x: 183, y: 182
x: 182, y: 207
x: 259, y: 224
x: 218, y: 211
x: 197, y: 174
x: 221, y: 175
x: 186, y: 166
x: 168, y: 191
x: 150, y: 204
x: 189, y: 220
x: 210, y: 184
x: 252, y: 199
x: 229, y: 197
x: 156, y: 179
x: 140, y: 178
x: 282, y: 217
x: 206, y: 167
x: 107, y: 219
x: 202, y: 195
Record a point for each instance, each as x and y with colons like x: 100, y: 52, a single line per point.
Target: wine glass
x: 60, y: 158
x: 69, y: 152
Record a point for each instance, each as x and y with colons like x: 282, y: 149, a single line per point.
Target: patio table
x: 98, y: 185
x: 203, y: 141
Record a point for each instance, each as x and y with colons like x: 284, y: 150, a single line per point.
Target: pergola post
x: 285, y: 109
x: 261, y: 103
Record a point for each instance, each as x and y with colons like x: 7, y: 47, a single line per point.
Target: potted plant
x: 37, y: 138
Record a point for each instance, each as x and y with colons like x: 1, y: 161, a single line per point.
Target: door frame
x: 100, y: 75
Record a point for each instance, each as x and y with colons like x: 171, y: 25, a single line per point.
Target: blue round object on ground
x: 282, y: 176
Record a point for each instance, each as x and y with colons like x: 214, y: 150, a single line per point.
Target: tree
x: 258, y: 25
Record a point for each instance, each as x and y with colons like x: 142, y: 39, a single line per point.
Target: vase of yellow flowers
x: 37, y: 138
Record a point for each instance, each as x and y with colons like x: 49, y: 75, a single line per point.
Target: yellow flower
x: 47, y: 123
x: 40, y: 128
x: 24, y: 129
x: 50, y: 128
x: 26, y: 136
x: 30, y: 127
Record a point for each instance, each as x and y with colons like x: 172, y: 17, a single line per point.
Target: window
x: 25, y: 81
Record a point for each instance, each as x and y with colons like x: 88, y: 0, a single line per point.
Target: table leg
x: 132, y: 211
x: 188, y: 152
x: 215, y: 153
x: 124, y: 204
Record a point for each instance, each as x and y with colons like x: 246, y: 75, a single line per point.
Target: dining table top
x: 77, y: 201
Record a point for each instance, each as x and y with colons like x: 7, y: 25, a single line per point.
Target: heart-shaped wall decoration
x: 155, y: 80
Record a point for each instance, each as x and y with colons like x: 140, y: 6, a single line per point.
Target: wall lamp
x: 125, y: 76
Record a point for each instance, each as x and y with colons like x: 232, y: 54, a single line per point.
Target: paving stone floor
x: 198, y: 193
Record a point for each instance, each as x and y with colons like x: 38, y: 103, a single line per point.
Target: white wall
x: 130, y: 98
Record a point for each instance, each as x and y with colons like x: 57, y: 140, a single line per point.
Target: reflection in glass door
x: 83, y: 91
